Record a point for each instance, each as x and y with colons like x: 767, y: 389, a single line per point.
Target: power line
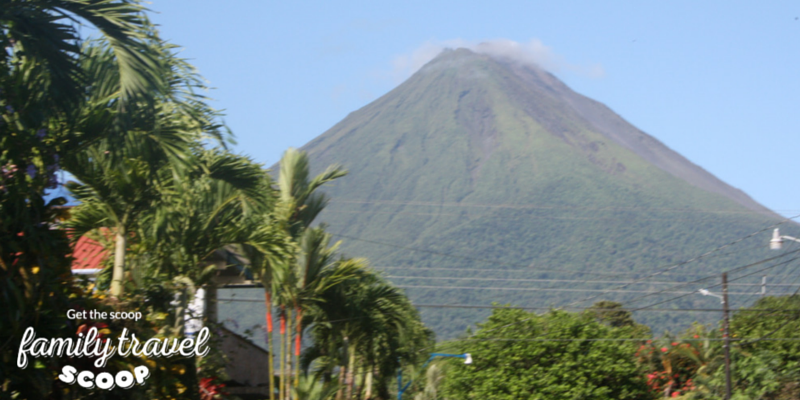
x: 528, y: 268
x: 618, y: 289
x: 609, y: 340
x: 518, y: 270
x: 719, y: 284
x: 541, y: 289
x: 538, y: 206
x: 742, y: 340
x: 568, y: 281
x: 638, y: 309
x: 594, y: 309
x: 466, y: 306
x: 716, y: 275
x: 441, y: 214
x: 766, y: 336
x: 533, y: 269
x: 695, y: 258
x: 414, y: 269
x: 745, y: 340
x: 788, y: 321
x: 792, y: 273
x: 661, y: 271
x: 483, y: 260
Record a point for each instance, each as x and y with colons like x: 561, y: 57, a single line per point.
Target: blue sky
x: 718, y: 82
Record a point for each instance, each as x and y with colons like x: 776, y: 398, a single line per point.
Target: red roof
x: 88, y: 254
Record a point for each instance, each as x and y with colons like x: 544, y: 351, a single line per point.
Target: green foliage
x: 782, y: 323
x: 45, y: 33
x: 762, y: 365
x: 677, y: 366
x: 365, y: 324
x: 312, y: 389
x: 611, y: 313
x: 768, y: 368
x: 513, y: 359
x: 200, y: 212
x: 298, y: 191
x: 120, y: 113
x: 42, y: 89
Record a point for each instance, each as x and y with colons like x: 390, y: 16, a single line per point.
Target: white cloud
x: 533, y: 52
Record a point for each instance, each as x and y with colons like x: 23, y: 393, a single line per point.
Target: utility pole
x: 726, y: 335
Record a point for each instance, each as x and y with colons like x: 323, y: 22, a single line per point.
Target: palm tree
x: 298, y: 191
x: 121, y: 173
x: 42, y: 85
x: 300, y: 204
x: 111, y: 196
x: 45, y: 33
x: 204, y: 210
x: 258, y: 249
x: 374, y: 324
x: 317, y: 272
x: 207, y: 209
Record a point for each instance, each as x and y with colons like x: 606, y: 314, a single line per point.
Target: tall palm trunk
x: 271, y: 368
x: 280, y: 356
x: 370, y: 375
x: 119, y: 262
x: 288, y: 353
x: 342, y: 375
x: 362, y: 377
x: 297, y: 342
x: 351, y: 372
x: 368, y: 394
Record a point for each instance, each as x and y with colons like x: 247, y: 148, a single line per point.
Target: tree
x: 692, y: 367
x: 364, y: 324
x: 298, y: 191
x: 41, y: 87
x: 120, y: 180
x: 259, y: 248
x: 156, y: 185
x: 202, y: 211
x: 300, y: 203
x: 205, y: 210
x: 113, y: 197
x: 677, y: 366
x: 611, y: 313
x: 44, y: 35
x: 550, y: 356
x: 764, y: 364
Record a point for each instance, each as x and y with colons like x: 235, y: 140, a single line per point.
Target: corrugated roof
x: 88, y: 254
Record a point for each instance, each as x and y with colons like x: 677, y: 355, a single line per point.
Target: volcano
x: 484, y: 181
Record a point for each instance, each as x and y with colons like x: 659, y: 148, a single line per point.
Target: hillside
x: 484, y: 173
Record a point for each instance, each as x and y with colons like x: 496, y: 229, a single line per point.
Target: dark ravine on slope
x: 527, y: 185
